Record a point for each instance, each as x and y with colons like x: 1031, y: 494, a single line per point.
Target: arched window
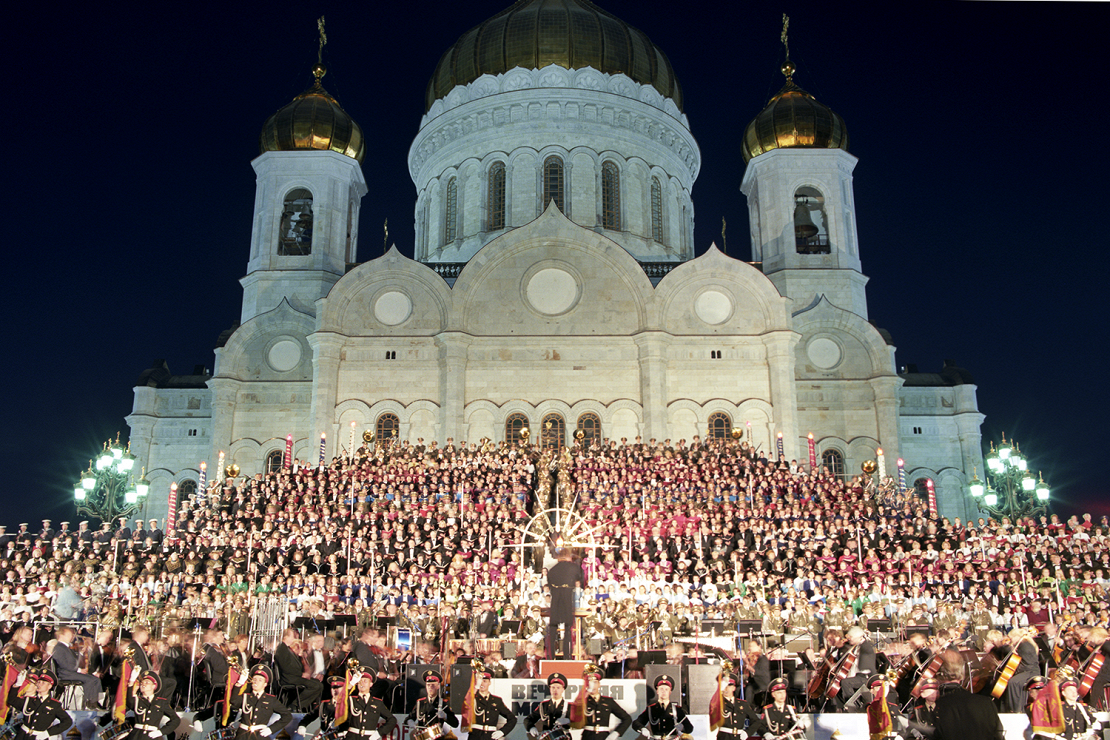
x: 656, y: 210
x: 186, y: 489
x: 496, y: 196
x: 589, y: 424
x: 921, y: 489
x: 295, y: 235
x: 553, y: 431
x: 451, y: 218
x: 720, y: 425
x: 810, y: 233
x: 610, y: 196
x: 834, y: 461
x: 553, y: 182
x: 274, y: 461
x: 387, y: 427
x: 513, y: 426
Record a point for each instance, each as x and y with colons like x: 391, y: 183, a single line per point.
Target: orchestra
x: 379, y: 613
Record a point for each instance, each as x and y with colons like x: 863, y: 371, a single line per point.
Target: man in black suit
x: 563, y: 577
x: 485, y: 623
x: 65, y: 662
x: 292, y: 672
x: 961, y: 714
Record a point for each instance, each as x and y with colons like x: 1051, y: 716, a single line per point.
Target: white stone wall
x: 519, y: 119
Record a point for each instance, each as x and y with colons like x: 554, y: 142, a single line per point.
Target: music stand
x: 714, y: 627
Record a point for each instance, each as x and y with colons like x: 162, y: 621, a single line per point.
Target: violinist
x: 1098, y: 641
x: 293, y: 671
x: 859, y: 650
x: 919, y: 656
x: 757, y: 671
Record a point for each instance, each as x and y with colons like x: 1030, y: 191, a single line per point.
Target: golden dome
x: 794, y: 119
x: 314, y: 120
x: 570, y: 33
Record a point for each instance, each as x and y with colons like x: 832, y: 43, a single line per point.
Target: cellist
x: 1017, y: 665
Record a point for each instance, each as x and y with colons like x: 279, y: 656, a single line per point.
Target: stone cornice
x: 588, y: 97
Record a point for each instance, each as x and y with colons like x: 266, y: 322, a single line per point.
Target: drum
x: 431, y: 732
x: 116, y: 731
x: 555, y: 733
x: 224, y: 733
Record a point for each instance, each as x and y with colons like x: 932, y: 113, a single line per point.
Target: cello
x: 1090, y: 670
x: 1008, y: 667
x: 843, y: 668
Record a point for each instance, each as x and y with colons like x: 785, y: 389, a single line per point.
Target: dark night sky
x: 980, y: 128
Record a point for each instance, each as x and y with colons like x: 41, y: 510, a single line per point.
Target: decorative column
x: 653, y: 382
x: 885, y: 388
x: 224, y: 392
x: 454, y: 348
x: 325, y: 388
x: 779, y: 346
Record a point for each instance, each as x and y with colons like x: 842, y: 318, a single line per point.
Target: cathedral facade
x: 554, y: 286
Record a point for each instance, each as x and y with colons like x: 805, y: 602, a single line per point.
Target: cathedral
x: 554, y: 286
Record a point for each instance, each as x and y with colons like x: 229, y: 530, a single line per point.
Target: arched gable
x: 551, y: 277
x: 271, y: 346
x: 389, y: 296
x: 716, y: 294
x: 839, y: 343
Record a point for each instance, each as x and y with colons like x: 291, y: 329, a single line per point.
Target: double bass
x: 1008, y: 667
x: 1089, y: 671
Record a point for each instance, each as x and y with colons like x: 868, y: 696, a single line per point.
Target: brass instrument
x: 579, y: 434
x: 524, y: 433
x: 737, y: 433
x: 868, y: 467
x: 367, y: 436
x: 232, y: 471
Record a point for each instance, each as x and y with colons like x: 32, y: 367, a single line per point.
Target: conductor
x: 562, y: 578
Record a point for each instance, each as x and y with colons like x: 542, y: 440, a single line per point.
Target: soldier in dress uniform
x: 922, y: 717
x: 487, y: 708
x: 367, y: 716
x: 433, y: 708
x: 46, y: 716
x: 736, y: 713
x: 25, y: 704
x: 551, y: 712
x: 1079, y: 719
x: 154, y: 717
x: 661, y: 716
x: 601, y: 709
x: 260, y: 707
x: 780, y: 721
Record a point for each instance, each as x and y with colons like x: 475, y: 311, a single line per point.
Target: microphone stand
x: 192, y: 668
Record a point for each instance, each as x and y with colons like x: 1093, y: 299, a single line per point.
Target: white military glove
x: 612, y: 735
x: 153, y: 734
x: 264, y: 732
x: 497, y: 735
x: 563, y: 721
x: 645, y: 733
x: 242, y: 680
x: 40, y: 735
x: 533, y: 732
x: 442, y: 714
x: 742, y: 734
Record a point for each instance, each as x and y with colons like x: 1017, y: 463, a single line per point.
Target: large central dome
x: 569, y: 33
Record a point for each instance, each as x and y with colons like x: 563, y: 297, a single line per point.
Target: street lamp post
x: 1010, y: 489
x: 107, y: 489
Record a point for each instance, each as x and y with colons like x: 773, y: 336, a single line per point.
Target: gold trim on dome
x: 568, y: 33
x: 313, y: 120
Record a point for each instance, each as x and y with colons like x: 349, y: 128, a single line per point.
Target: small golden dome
x: 569, y: 33
x: 314, y: 120
x: 794, y: 119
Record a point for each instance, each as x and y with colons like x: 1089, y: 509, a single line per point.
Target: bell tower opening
x: 811, y: 234
x: 295, y: 237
